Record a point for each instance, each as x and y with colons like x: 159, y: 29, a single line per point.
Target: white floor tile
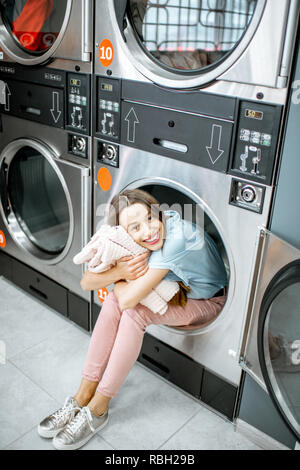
x: 22, y: 403
x: 146, y: 412
x: 24, y: 321
x: 207, y: 431
x: 56, y: 363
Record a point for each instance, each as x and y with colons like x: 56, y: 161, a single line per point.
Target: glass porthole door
x: 190, y: 35
x: 270, y: 350
x: 32, y: 29
x: 37, y: 207
x: 279, y: 343
x: 187, y: 43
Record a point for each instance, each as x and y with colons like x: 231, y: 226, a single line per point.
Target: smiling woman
x: 179, y: 251
x: 138, y: 212
x: 145, y: 229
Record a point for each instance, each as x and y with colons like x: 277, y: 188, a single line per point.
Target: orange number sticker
x: 106, y: 52
x: 102, y: 294
x: 104, y: 178
x: 2, y: 239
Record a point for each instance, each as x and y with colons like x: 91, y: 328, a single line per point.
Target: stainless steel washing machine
x: 190, y: 43
x: 189, y: 148
x: 270, y: 352
x: 46, y: 184
x: 34, y: 32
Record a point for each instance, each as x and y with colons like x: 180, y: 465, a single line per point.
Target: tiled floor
x: 44, y: 356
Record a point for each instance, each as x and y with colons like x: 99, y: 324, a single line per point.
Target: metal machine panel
x: 48, y: 96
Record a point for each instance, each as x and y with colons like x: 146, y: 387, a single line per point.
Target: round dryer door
x: 279, y: 343
x: 36, y: 204
x: 32, y: 29
x: 188, y: 41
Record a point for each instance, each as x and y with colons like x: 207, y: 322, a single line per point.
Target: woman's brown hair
x: 127, y: 198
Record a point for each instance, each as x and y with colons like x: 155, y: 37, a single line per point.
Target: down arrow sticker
x: 214, y: 151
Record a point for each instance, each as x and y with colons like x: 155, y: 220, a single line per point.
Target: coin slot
x: 171, y: 145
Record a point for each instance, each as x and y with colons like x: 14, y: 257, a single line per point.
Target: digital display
x: 251, y: 113
x: 75, y: 82
x: 106, y: 87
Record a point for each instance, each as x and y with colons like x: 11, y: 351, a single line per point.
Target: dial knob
x: 248, y: 194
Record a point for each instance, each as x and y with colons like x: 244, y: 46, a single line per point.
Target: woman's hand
x: 129, y: 294
x: 131, y: 268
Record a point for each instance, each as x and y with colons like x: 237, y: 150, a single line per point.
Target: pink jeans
x: 117, y: 337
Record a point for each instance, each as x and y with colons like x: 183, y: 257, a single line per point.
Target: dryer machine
x: 189, y: 43
x: 190, y: 150
x: 270, y: 353
x: 45, y: 185
x: 35, y: 32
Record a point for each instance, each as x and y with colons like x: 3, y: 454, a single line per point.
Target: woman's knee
x: 137, y: 315
x: 110, y: 306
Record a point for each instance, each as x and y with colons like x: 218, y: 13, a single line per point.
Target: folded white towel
x: 109, y: 244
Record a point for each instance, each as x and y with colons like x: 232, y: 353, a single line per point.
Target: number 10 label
x: 106, y: 52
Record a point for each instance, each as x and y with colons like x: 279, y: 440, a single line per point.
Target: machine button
x: 111, y: 152
x: 245, y: 135
x: 266, y: 140
x: 108, y: 153
x: 255, y: 137
x: 248, y: 194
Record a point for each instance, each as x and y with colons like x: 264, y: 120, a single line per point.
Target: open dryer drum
x: 170, y: 197
x: 35, y: 201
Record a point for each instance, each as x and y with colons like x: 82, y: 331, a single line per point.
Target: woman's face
x: 146, y: 230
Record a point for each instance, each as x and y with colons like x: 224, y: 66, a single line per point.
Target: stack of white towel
x: 107, y: 246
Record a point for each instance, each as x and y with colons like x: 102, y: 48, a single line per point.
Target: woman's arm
x: 126, y: 268
x: 95, y: 281
x: 129, y: 294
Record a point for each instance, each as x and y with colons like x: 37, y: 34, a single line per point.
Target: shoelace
x: 81, y: 418
x: 60, y: 414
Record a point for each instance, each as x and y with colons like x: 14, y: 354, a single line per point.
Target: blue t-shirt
x: 191, y: 257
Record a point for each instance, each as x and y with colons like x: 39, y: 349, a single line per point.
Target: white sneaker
x: 57, y: 421
x: 80, y: 430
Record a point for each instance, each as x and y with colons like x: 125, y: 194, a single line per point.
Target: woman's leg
x: 129, y: 338
x: 100, y: 347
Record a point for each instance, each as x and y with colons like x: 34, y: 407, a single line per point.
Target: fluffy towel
x: 109, y: 244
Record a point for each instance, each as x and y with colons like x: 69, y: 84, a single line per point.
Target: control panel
x: 256, y: 141
x: 108, y: 99
x: 78, y: 99
x: 52, y: 97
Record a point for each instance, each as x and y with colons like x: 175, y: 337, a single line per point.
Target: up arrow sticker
x: 214, y: 151
x: 132, y: 120
x: 5, y: 95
